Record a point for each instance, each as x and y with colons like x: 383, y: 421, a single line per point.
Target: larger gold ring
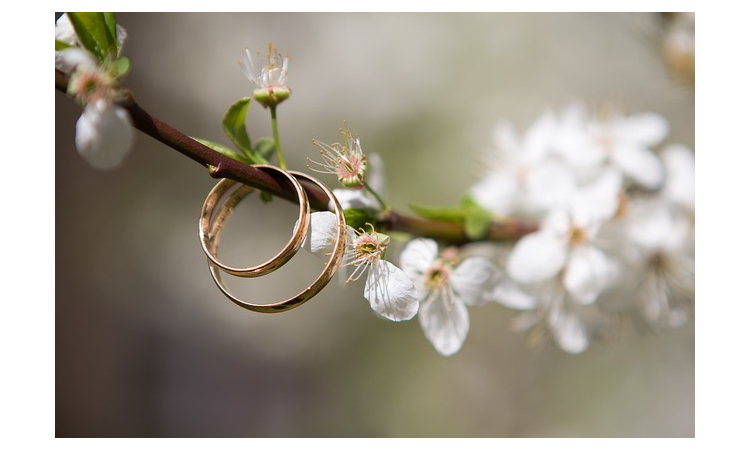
x: 326, y: 275
x: 290, y: 249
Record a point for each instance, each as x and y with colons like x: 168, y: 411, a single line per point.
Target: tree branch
x: 220, y: 166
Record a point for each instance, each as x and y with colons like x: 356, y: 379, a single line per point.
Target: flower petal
x: 390, y: 292
x: 646, y: 129
x: 639, y: 163
x: 496, y: 193
x: 470, y: 279
x: 355, y: 199
x: 70, y: 58
x: 679, y: 162
x: 568, y: 332
x: 549, y: 184
x: 539, y: 136
x: 509, y: 295
x: 103, y: 134
x: 445, y: 324
x: 375, y: 176
x: 588, y: 273
x: 597, y: 202
x: 536, y: 257
x: 417, y: 257
x: 321, y: 235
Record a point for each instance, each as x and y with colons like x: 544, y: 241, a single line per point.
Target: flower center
x: 437, y: 276
x: 577, y: 236
x: 90, y: 85
x: 370, y: 247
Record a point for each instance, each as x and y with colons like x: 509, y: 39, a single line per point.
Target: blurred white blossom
x: 564, y: 244
x: 553, y: 313
x: 612, y: 207
x: 613, y: 140
x: 665, y: 239
x: 103, y: 132
x: 524, y: 177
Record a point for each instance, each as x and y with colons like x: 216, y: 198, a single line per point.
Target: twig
x: 220, y: 166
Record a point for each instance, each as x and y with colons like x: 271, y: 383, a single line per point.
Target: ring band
x: 290, y: 249
x: 326, y: 275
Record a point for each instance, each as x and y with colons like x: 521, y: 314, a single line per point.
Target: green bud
x: 271, y: 96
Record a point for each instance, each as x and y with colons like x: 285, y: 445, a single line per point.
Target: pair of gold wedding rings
x: 212, y: 224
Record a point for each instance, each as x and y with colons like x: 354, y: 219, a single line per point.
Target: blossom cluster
x: 615, y: 209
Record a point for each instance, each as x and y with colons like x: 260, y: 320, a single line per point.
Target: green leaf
x: 111, y: 24
x: 357, y: 218
x: 477, y: 224
x: 60, y: 45
x: 121, y: 65
x: 93, y: 33
x: 234, y: 125
x: 449, y: 214
x: 478, y: 219
x: 224, y: 150
x: 264, y: 147
x: 266, y: 197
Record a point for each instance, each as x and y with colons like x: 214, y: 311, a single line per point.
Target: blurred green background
x: 146, y: 345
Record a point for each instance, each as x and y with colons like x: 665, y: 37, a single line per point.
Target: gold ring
x: 328, y: 271
x: 290, y: 249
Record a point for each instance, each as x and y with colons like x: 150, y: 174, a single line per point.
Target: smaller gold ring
x: 328, y: 271
x: 290, y: 249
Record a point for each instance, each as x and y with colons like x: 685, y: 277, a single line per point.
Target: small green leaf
x: 111, y: 24
x: 264, y: 147
x: 477, y: 224
x: 92, y: 31
x: 266, y: 197
x: 224, y: 150
x: 60, y: 45
x: 450, y: 214
x: 234, y: 125
x: 478, y: 219
x: 357, y: 218
x: 121, y: 65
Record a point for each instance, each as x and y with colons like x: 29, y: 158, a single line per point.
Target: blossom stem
x: 369, y: 189
x: 221, y: 166
x: 282, y: 163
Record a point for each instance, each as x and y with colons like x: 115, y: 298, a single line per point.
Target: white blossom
x: 346, y: 161
x: 390, y: 292
x: 613, y: 140
x: 103, y: 134
x: 363, y: 198
x: 556, y: 315
x: 269, y: 75
x: 103, y: 131
x: 524, y: 177
x: 564, y: 244
x: 661, y: 228
x: 679, y: 188
x: 444, y: 289
x: 665, y: 239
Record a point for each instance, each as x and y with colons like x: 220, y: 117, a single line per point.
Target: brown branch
x: 221, y: 166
